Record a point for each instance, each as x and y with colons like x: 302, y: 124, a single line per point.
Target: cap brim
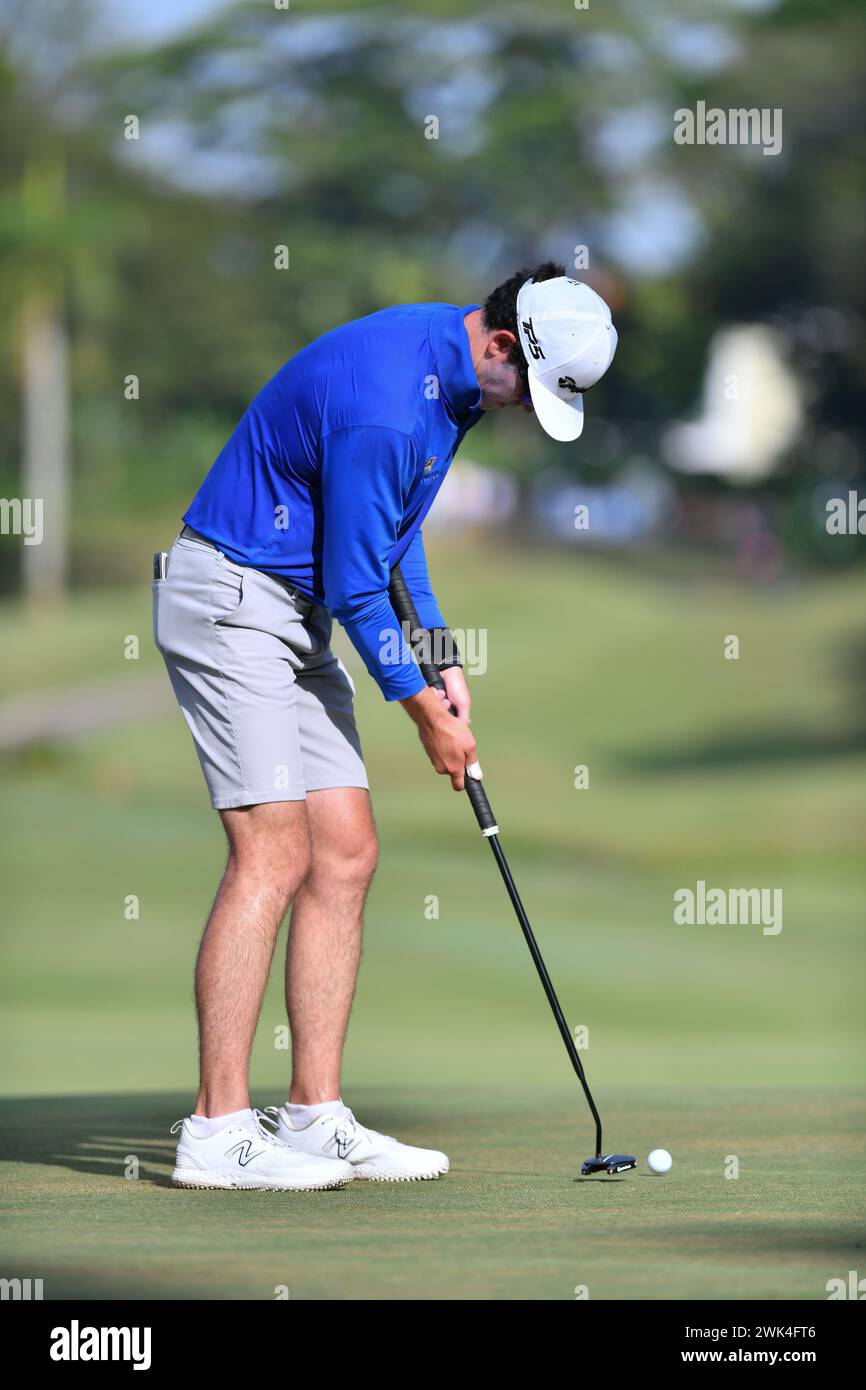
x: 562, y: 420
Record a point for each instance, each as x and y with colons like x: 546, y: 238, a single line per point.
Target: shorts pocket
x: 156, y: 589
x: 227, y: 591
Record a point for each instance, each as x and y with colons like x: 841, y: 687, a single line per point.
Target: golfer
x: 320, y: 491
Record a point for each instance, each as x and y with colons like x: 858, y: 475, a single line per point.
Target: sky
x: 151, y: 21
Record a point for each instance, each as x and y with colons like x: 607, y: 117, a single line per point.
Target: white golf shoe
x: 250, y: 1156
x: 377, y: 1157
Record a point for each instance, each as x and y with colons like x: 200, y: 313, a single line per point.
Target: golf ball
x: 659, y: 1161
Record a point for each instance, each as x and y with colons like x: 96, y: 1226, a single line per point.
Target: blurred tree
x: 310, y: 129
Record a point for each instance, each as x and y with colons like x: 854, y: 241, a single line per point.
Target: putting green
x: 512, y: 1220
x: 707, y: 1040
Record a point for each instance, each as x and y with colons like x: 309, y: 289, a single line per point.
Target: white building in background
x: 752, y: 409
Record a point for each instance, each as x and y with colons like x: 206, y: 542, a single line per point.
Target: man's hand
x: 456, y: 692
x: 448, y: 741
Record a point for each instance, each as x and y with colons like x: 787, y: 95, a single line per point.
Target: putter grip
x: 401, y: 602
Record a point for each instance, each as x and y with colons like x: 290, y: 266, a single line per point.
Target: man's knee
x: 270, y: 843
x: 364, y: 857
x: 350, y: 861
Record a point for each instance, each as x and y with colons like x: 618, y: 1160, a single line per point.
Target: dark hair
x: 500, y: 307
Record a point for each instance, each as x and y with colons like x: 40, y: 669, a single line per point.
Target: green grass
x: 512, y: 1220
x: 744, y: 774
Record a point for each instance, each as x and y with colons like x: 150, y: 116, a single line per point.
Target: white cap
x: 568, y: 339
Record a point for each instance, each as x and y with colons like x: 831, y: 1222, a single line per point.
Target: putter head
x: 610, y: 1163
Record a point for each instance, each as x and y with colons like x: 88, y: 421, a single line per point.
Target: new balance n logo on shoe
x: 344, y: 1144
x: 243, y: 1151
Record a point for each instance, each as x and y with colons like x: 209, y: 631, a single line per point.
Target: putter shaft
x: 401, y: 601
x: 529, y: 936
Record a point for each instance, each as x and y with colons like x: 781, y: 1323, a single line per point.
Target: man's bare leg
x: 269, y: 855
x: 324, y: 947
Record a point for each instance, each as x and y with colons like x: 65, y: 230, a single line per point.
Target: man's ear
x: 500, y: 343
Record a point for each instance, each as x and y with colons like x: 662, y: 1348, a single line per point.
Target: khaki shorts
x: 268, y: 704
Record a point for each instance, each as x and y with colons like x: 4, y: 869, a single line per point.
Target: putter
x: 401, y: 601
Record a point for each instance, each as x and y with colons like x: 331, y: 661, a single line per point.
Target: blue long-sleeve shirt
x: 332, y: 469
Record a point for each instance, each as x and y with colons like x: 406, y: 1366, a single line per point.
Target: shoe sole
x: 400, y: 1177
x: 360, y: 1176
x: 221, y: 1183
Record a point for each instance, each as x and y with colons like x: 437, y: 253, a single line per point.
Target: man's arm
x: 413, y: 567
x: 366, y: 471
x: 440, y: 646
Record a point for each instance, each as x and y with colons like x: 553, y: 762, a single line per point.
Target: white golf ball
x: 659, y: 1161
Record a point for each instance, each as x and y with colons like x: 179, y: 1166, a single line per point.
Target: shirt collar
x: 450, y: 342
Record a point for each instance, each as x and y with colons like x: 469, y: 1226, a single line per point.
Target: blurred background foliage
x: 305, y: 128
